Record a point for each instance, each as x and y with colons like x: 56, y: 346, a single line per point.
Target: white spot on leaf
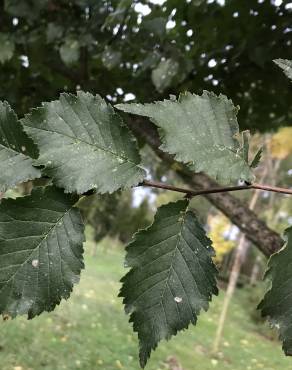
x: 35, y: 263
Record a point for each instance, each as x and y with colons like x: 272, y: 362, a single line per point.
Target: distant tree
x: 114, y: 215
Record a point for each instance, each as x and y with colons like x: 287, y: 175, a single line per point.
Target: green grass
x: 90, y: 331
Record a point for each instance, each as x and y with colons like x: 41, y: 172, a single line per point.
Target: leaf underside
x: 84, y: 144
x: 277, y: 303
x: 286, y: 65
x: 15, y: 151
x: 172, y: 276
x: 201, y: 131
x: 41, y: 238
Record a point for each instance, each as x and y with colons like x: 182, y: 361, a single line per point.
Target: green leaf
x: 41, y: 238
x: 70, y: 51
x: 286, y: 65
x: 257, y: 158
x: 118, y: 15
x: 277, y: 303
x: 54, y: 32
x: 84, y: 144
x: 172, y: 276
x: 15, y: 151
x: 151, y: 60
x: 26, y: 9
x: 200, y: 130
x: 111, y: 58
x: 156, y: 26
x: 164, y: 73
x: 7, y: 48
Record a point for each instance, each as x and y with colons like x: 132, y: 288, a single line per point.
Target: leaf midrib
x: 85, y: 142
x: 173, y: 256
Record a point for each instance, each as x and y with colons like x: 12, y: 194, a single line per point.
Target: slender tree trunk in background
x: 225, y: 266
x: 273, y: 178
x: 94, y: 250
x: 240, y: 254
x: 273, y: 170
x: 240, y: 251
x: 255, y: 271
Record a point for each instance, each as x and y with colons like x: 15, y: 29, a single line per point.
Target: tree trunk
x: 255, y: 271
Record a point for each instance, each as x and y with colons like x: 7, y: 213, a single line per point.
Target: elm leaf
x: 41, y: 238
x: 172, y: 276
x: 84, y: 144
x: 277, y: 302
x: 200, y: 130
x: 16, y: 150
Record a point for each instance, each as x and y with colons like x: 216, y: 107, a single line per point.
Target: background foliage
x: 121, y: 47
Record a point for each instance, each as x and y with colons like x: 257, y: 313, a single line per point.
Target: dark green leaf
x: 29, y: 9
x: 151, y: 60
x: 277, y: 303
x: 7, y: 48
x: 245, y: 144
x: 172, y: 276
x: 111, y: 58
x: 164, y: 73
x: 15, y: 151
x: 84, y: 144
x: 118, y: 15
x: 54, y: 32
x: 41, y: 238
x: 200, y: 130
x: 257, y: 158
x: 70, y: 51
x: 156, y: 26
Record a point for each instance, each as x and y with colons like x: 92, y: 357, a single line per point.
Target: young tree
x: 82, y: 145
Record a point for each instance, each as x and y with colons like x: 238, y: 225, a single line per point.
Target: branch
x: 258, y: 233
x: 194, y: 193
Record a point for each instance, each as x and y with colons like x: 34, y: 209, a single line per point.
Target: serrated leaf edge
x: 143, y: 360
x: 122, y: 124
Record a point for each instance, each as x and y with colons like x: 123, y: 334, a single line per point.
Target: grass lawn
x: 91, y: 331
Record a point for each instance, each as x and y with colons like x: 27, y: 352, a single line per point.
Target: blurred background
x: 142, y: 51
